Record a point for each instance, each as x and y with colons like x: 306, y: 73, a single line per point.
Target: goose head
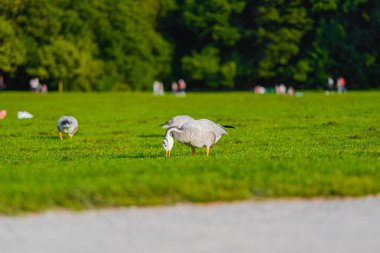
x: 167, y: 144
x: 168, y: 141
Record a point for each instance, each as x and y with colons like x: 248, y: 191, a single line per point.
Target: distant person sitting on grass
x: 3, y: 114
x: 291, y: 91
x: 174, y: 87
x: 259, y: 89
x: 280, y: 89
x: 158, y: 88
x: 44, y: 88
x: 35, y: 85
x: 182, y: 87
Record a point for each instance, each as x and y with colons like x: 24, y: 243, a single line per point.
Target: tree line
x: 103, y: 45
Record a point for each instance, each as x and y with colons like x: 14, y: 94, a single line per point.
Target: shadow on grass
x: 47, y: 137
x: 150, y: 135
x: 137, y: 156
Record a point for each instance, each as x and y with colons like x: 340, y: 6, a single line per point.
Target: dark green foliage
x: 123, y: 45
x: 97, y: 45
x: 279, y: 27
x: 347, y: 41
x: 12, y: 49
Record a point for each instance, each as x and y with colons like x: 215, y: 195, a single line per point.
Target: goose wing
x: 207, y: 125
x: 177, y: 121
x: 195, y: 136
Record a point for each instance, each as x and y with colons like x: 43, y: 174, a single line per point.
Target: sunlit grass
x: 282, y: 146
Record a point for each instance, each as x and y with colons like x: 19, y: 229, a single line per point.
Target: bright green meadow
x: 282, y: 146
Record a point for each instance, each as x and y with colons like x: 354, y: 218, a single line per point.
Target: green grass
x: 282, y: 146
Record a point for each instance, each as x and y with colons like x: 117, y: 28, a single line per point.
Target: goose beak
x: 60, y: 136
x: 167, y: 153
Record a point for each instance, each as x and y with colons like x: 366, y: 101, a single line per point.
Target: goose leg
x: 60, y: 136
x: 207, y: 151
x: 193, y: 151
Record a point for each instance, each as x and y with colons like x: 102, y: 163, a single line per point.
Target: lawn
x: 282, y: 146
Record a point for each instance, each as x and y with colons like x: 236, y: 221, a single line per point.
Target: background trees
x: 123, y: 45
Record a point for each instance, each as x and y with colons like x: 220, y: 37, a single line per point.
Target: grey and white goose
x: 67, y: 124
x: 194, y: 133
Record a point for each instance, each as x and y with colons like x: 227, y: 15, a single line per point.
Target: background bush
x: 126, y: 45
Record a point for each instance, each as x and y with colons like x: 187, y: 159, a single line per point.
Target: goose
x: 67, y: 124
x: 177, y: 121
x: 194, y: 133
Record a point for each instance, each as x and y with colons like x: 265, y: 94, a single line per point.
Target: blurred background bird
x: 67, y: 124
x: 177, y: 121
x: 194, y: 133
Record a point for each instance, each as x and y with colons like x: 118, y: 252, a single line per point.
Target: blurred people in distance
x: 341, y: 85
x: 291, y: 91
x: 181, y: 87
x: 3, y: 114
x: 2, y: 83
x: 35, y: 85
x: 174, y: 87
x: 280, y: 89
x: 259, y: 89
x: 158, y: 88
x: 44, y: 88
x: 329, y: 86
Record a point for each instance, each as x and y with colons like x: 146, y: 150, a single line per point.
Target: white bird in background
x: 177, y: 121
x: 67, y: 124
x: 194, y: 133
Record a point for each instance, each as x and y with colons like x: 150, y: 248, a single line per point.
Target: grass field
x: 282, y: 146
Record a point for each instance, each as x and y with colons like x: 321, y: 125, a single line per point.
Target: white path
x: 275, y: 226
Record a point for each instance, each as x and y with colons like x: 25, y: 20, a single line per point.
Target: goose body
x: 67, y: 124
x: 177, y: 121
x: 194, y: 133
x: 207, y: 125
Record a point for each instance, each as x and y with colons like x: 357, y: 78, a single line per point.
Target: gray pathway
x: 275, y: 226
